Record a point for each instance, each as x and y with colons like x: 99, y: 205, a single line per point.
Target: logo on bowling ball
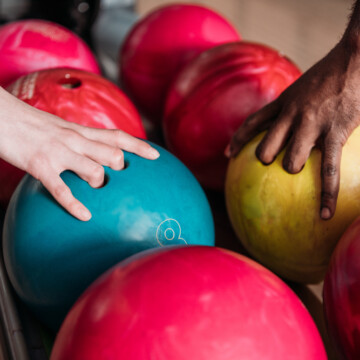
x: 169, y: 233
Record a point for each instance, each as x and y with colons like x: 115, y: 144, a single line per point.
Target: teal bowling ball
x: 51, y: 257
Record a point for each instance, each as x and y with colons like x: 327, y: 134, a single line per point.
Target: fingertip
x: 262, y: 156
x: 233, y: 149
x: 289, y: 164
x: 83, y: 214
x: 325, y: 213
x: 153, y: 154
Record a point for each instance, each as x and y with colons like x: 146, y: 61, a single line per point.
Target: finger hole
x: 69, y: 82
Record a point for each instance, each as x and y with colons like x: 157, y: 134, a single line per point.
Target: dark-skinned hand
x: 322, y: 108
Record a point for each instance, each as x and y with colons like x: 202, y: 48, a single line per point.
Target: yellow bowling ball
x: 276, y: 215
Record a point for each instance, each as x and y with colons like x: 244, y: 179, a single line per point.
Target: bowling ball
x: 160, y: 44
x: 342, y: 293
x: 31, y: 45
x: 74, y: 95
x: 213, y: 95
x: 188, y: 303
x: 51, y: 257
x: 276, y: 215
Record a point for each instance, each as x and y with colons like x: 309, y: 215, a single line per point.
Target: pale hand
x: 45, y: 145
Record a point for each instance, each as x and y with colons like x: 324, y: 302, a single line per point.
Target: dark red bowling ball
x: 213, y: 95
x: 342, y: 293
x: 77, y: 96
x: 31, y: 45
x: 160, y: 44
x: 184, y: 303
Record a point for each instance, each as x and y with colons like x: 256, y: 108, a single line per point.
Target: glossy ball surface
x: 51, y: 257
x: 276, y: 215
x: 194, y: 303
x: 342, y: 293
x: 32, y: 45
x: 213, y: 95
x: 160, y: 44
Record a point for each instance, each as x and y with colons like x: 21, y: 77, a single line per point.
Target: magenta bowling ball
x: 213, y: 95
x: 342, y: 293
x: 160, y: 44
x: 198, y: 303
x: 31, y: 45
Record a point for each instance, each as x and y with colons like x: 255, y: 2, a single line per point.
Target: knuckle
x: 327, y: 195
x: 70, y: 135
x: 117, y: 157
x: 119, y: 136
x: 331, y: 149
x: 97, y: 173
x: 72, y: 207
x: 251, y: 120
x: 61, y: 191
x: 37, y: 164
x: 118, y: 132
x: 136, y: 145
x: 329, y: 170
x: 289, y: 110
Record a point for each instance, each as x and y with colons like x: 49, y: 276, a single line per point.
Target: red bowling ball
x: 342, y: 293
x: 77, y: 96
x: 213, y: 95
x: 160, y: 44
x: 31, y: 45
x: 184, y: 303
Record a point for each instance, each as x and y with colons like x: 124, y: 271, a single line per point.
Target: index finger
x: 120, y: 139
x: 253, y: 125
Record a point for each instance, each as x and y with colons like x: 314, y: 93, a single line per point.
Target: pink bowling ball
x: 31, y: 45
x: 184, y: 303
x: 160, y: 44
x: 342, y: 293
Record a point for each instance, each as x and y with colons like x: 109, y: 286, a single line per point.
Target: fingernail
x: 85, y: 214
x: 153, y: 153
x: 325, y: 213
x: 227, y: 151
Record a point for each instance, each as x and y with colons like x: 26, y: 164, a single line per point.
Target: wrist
x: 351, y: 37
x: 351, y: 43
